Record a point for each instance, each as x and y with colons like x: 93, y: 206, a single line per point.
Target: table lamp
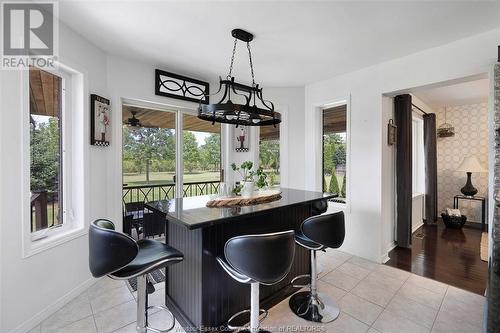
x: 469, y: 165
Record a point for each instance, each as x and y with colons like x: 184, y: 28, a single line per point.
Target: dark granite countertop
x: 192, y: 212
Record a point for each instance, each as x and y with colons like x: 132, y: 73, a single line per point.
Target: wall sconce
x: 391, y: 133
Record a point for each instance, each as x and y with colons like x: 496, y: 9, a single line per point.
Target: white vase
x: 247, y: 190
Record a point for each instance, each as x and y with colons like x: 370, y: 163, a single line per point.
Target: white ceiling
x: 296, y: 42
x: 471, y: 92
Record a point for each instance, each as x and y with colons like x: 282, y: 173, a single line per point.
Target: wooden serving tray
x: 258, y: 198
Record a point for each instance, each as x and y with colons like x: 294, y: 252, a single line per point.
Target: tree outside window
x: 334, y: 150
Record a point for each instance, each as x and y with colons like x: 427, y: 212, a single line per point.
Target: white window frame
x: 283, y: 141
x: 346, y: 207
x: 74, y: 133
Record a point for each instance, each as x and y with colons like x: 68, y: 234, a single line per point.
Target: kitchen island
x: 199, y: 292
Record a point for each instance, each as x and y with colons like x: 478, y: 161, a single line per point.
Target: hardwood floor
x: 447, y: 255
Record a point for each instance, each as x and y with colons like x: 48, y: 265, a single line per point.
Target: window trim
x: 346, y: 207
x: 282, y: 149
x: 74, y: 159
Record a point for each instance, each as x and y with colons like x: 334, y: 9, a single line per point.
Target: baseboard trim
x: 385, y: 257
x: 417, y: 227
x: 38, y: 318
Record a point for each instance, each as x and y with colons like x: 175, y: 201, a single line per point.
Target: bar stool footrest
x: 262, y: 313
x: 156, y: 330
x: 295, y: 279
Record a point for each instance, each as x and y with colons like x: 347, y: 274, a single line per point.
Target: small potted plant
x: 246, y: 188
x: 246, y: 173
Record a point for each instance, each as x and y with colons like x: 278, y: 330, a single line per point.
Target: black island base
x: 199, y: 292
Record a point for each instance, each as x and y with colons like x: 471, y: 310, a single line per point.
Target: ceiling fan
x: 133, y: 122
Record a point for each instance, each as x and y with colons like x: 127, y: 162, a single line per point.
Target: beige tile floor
x: 373, y: 298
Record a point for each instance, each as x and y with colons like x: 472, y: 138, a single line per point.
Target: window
x: 201, y: 155
x: 334, y: 124
x: 46, y: 142
x: 55, y: 159
x: 269, y: 152
x: 148, y: 155
x: 167, y: 153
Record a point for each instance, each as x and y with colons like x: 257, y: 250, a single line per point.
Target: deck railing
x: 201, y: 188
x: 145, y: 193
x: 44, y: 210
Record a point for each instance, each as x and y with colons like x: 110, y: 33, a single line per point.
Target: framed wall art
x: 241, y: 138
x: 100, y: 110
x: 181, y: 87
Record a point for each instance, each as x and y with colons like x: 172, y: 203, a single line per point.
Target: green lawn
x: 156, y: 178
x: 167, y: 192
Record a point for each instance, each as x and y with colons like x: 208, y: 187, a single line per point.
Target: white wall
x: 32, y: 287
x: 289, y: 101
x: 417, y: 211
x: 367, y: 222
x: 388, y: 215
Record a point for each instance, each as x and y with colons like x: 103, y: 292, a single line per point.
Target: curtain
x: 430, y: 153
x: 403, y: 120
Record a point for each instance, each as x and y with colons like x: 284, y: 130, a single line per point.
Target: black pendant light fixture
x: 240, y: 104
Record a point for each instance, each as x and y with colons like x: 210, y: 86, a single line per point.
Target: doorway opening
x: 450, y: 247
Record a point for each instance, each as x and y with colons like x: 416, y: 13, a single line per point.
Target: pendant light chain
x: 249, y: 108
x: 251, y: 63
x: 232, y: 60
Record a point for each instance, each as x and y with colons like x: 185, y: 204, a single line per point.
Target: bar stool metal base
x: 262, y: 315
x: 316, y: 308
x: 142, y: 308
x: 170, y: 314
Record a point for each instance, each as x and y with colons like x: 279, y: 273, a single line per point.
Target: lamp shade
x: 471, y: 164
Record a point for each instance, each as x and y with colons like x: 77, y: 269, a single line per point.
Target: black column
x: 430, y: 153
x: 403, y: 117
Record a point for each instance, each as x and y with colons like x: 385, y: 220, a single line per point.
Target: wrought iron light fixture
x: 240, y: 104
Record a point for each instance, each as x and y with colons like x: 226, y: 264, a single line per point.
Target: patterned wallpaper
x: 471, y: 138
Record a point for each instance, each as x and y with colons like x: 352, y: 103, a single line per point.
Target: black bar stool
x: 318, y: 233
x: 120, y: 257
x: 258, y: 259
x: 319, y: 207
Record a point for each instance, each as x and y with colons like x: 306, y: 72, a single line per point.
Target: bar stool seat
x: 151, y: 254
x: 120, y: 257
x: 257, y: 259
x: 318, y: 233
x: 303, y: 241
